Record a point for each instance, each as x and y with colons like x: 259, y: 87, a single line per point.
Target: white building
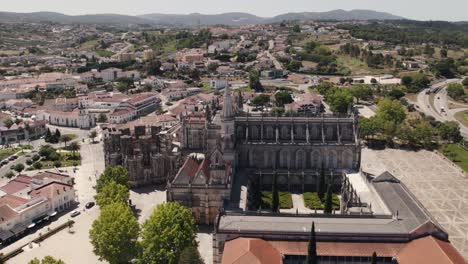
x: 219, y: 84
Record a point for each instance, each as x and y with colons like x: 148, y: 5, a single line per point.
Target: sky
x: 451, y: 10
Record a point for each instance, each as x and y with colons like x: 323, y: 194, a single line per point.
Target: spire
x: 228, y: 109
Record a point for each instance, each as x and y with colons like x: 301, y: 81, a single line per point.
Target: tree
x: 74, y: 146
x: 166, y: 233
x: 443, y: 53
x: 390, y: 110
x: 254, y: 81
x: 111, y: 193
x: 450, y: 130
x: 321, y: 185
x: 465, y: 82
x: 240, y: 101
x: 423, y: 133
x: 396, y: 94
x: 328, y: 205
x: 9, y: 175
x: 92, y: 135
x: 339, y: 100
x: 153, y: 67
x: 455, y: 90
x: 275, y: 204
x: 312, y: 247
x: 114, y: 234
x: 65, y: 139
x: 296, y: 29
x: 57, y: 133
x: 102, y: 118
x: 282, y: 98
x: 294, y: 65
x: 48, y: 135
x: 46, y: 260
x: 190, y: 255
x: 117, y: 174
x: 374, y: 258
x: 367, y: 127
x: 19, y: 167
x: 362, y: 92
x: 261, y: 100
x: 8, y: 123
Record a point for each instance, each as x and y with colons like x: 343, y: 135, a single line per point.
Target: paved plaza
x: 439, y: 185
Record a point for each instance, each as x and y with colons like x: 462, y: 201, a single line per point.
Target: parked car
x: 75, y: 213
x: 89, y: 205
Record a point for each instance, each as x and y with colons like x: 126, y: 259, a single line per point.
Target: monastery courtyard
x: 441, y: 186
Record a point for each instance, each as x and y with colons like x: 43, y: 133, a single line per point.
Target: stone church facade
x: 294, y: 148
x: 147, y: 154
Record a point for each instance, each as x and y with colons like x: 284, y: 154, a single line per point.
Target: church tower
x: 227, y: 126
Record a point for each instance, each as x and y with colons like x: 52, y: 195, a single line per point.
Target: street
x: 441, y: 101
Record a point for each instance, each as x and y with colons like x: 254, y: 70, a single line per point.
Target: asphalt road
x: 440, y: 102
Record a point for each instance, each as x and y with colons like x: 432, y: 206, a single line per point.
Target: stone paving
x: 440, y: 185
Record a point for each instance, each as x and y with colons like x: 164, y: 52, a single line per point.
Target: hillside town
x: 300, y: 141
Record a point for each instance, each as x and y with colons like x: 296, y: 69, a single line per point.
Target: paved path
x: 440, y: 186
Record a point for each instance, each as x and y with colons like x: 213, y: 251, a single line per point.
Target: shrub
x: 36, y: 157
x: 29, y: 161
x: 57, y: 164
x: 37, y: 165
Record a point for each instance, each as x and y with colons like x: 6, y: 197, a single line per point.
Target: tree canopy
x: 112, y: 192
x: 455, y: 90
x: 46, y: 260
x: 166, y: 233
x: 117, y: 174
x: 282, y: 98
x: 114, y: 234
x: 362, y: 92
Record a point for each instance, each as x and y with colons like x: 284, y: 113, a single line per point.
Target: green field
x: 312, y: 201
x: 89, y: 44
x: 457, y: 154
x: 105, y: 53
x: 285, y: 200
x: 5, y: 153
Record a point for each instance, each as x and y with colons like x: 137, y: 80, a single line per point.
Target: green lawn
x: 206, y: 88
x: 312, y: 201
x: 5, y: 153
x: 72, y: 136
x: 66, y: 160
x: 457, y: 154
x: 89, y: 44
x: 284, y: 198
x: 105, y: 53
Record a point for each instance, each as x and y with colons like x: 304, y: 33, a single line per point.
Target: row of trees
x: 167, y: 236
x: 390, y: 123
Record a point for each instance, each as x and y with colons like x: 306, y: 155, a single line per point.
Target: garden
x: 285, y: 200
x: 313, y: 201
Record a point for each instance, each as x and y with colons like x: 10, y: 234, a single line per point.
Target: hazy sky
x: 454, y: 10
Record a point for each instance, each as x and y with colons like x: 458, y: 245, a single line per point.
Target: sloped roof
x: 386, y: 177
x: 429, y: 250
x: 250, y: 250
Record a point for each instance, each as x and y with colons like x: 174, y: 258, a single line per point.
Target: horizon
x: 414, y: 10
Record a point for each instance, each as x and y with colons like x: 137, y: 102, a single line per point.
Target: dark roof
x: 408, y: 219
x: 386, y: 177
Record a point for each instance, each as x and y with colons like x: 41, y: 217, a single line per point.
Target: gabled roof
x: 429, y: 250
x: 250, y: 250
x: 386, y: 177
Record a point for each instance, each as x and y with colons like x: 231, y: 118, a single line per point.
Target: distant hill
x: 339, y: 15
x: 232, y: 19
x: 37, y: 17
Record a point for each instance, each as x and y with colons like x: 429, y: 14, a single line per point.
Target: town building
x: 26, y: 201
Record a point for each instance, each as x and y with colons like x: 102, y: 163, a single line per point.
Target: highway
x: 440, y: 102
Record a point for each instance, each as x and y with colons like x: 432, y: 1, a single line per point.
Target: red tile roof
x: 429, y: 250
x: 6, y: 213
x: 250, y: 250
x: 12, y: 201
x: 50, y: 190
